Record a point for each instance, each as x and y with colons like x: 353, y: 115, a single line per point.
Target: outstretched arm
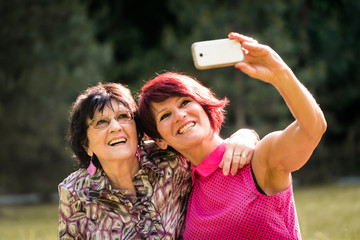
x: 282, y: 152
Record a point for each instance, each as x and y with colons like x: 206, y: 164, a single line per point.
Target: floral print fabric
x: 90, y: 209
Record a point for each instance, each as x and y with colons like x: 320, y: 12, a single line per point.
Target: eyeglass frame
x: 118, y: 113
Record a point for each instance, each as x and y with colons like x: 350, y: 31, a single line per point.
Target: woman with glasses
x: 125, y: 188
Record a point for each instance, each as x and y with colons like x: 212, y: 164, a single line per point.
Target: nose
x: 180, y: 114
x: 114, y: 125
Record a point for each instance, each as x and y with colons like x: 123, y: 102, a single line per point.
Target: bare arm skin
x: 281, y: 152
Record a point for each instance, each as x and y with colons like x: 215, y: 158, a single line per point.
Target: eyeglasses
x: 103, y: 122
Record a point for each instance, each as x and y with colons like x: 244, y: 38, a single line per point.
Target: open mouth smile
x: 117, y: 141
x: 186, y: 127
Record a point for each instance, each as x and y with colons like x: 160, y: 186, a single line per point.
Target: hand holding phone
x: 216, y: 53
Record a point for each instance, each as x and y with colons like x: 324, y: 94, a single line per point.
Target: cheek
x: 90, y: 144
x: 89, y: 138
x: 163, y: 128
x: 94, y: 139
x: 133, y: 132
x: 203, y: 115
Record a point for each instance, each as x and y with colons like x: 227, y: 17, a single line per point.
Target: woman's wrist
x: 247, y: 134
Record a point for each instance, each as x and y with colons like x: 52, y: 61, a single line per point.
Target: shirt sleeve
x: 71, y: 215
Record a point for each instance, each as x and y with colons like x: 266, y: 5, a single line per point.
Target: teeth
x: 116, y: 141
x: 186, y: 127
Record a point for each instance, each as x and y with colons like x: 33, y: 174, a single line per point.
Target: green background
x: 52, y: 50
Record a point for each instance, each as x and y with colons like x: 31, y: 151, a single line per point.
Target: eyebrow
x: 101, y: 114
x: 164, y: 109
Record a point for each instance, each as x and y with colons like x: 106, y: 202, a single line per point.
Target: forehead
x: 111, y: 107
x: 157, y: 106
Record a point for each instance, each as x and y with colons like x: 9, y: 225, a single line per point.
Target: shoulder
x: 67, y: 188
x: 80, y: 185
x: 157, y: 154
x: 75, y: 179
x: 165, y: 158
x: 267, y: 163
x: 76, y: 186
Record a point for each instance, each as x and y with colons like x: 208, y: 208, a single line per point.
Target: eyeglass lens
x: 102, y: 122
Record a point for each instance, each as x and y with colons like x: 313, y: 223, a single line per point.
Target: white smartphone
x: 216, y: 53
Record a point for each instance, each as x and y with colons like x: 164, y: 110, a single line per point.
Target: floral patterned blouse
x: 90, y: 209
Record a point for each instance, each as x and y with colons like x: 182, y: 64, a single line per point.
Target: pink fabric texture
x: 230, y: 207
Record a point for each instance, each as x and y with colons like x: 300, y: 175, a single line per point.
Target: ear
x: 88, y: 150
x: 161, y: 143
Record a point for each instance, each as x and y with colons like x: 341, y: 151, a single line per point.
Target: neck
x: 121, y: 173
x: 199, y: 152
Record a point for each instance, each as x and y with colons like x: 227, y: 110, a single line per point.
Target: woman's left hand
x: 239, y: 150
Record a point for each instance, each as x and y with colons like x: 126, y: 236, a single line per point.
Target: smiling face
x: 181, y: 122
x: 118, y: 141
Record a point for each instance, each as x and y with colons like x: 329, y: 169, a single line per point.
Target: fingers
x: 226, y: 162
x: 239, y: 161
x: 250, y: 46
x: 239, y: 150
x: 247, y: 68
x: 242, y: 38
x: 228, y: 155
x: 235, y: 161
x: 247, y: 159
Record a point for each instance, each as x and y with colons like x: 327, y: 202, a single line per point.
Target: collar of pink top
x: 211, y: 163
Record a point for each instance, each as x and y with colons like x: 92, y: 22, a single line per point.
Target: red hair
x: 172, y: 84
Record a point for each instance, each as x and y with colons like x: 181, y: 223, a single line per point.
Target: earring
x: 138, y: 153
x: 91, y: 169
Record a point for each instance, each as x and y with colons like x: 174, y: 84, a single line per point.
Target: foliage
x: 52, y: 50
x: 317, y: 38
x: 48, y: 54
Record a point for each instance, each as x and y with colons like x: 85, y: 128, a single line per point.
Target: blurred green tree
x: 48, y: 54
x: 317, y: 38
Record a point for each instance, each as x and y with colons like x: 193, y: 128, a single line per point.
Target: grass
x: 30, y: 222
x: 329, y: 212
x: 325, y: 212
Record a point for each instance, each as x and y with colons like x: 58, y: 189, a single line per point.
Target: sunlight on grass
x: 32, y: 222
x: 325, y: 213
x: 329, y: 212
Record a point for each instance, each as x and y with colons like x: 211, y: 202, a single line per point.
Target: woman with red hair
x: 125, y: 187
x: 257, y: 202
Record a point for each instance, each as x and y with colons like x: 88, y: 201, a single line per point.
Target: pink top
x: 230, y: 207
